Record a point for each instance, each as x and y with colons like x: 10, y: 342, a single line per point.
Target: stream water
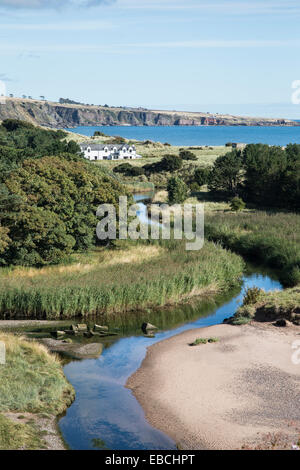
x: 105, y: 414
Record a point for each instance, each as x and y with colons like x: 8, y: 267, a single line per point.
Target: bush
x: 201, y: 175
x: 252, y: 296
x: 177, y: 190
x: 129, y: 170
x: 237, y: 204
x: 187, y: 155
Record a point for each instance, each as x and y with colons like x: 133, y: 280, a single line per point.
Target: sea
x: 204, y: 135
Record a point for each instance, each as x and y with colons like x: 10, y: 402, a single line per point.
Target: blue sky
x: 236, y: 56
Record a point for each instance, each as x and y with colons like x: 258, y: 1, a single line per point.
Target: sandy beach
x: 225, y: 395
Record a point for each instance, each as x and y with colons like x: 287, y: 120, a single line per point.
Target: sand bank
x: 223, y: 395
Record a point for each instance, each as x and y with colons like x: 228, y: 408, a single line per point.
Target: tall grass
x: 173, y: 276
x: 266, y: 237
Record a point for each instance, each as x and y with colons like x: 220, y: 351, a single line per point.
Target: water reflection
x: 104, y: 410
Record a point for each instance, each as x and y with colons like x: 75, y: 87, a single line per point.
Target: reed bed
x: 173, y: 276
x: 270, y: 238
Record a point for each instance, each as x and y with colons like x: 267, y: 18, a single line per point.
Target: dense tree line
x: 47, y: 203
x: 261, y: 174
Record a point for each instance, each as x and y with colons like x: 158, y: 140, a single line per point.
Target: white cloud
x: 134, y: 47
x: 48, y: 4
x: 64, y: 26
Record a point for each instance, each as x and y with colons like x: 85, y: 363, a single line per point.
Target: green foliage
x: 252, y: 296
x: 99, y: 134
x: 204, y: 341
x: 20, y: 140
x: 226, y: 174
x: 177, y: 190
x: 169, y: 163
x: 171, y: 277
x: 187, y: 155
x: 202, y: 175
x: 53, y: 209
x: 272, y: 239
x: 129, y: 170
x: 262, y: 174
x: 237, y: 204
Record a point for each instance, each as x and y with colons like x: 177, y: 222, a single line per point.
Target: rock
x: 73, y: 351
x: 74, y: 328
x: 282, y: 322
x: 100, y: 328
x: 149, y: 336
x: 82, y: 327
x: 57, y: 334
x: 148, y: 326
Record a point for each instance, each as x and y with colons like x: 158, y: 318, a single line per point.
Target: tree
x: 202, y: 175
x: 177, y: 190
x: 170, y: 163
x: 226, y: 174
x: 264, y: 169
x: 54, y: 212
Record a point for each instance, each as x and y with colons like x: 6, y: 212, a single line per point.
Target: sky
x: 239, y: 56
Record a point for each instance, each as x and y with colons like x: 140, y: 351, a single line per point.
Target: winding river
x: 105, y: 414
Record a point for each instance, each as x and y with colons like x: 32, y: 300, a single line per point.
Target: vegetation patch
x: 31, y: 381
x: 170, y: 274
x: 199, y: 341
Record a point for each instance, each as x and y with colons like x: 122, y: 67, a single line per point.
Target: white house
x: 109, y: 152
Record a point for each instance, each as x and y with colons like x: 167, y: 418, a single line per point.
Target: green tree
x: 55, y: 209
x: 226, y: 174
x: 202, y: 175
x: 177, y: 190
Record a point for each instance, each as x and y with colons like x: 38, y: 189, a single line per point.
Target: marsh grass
x: 32, y: 380
x: 269, y: 238
x: 15, y: 436
x: 132, y: 276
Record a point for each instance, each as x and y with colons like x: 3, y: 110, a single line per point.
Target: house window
x: 89, y: 150
x: 96, y: 158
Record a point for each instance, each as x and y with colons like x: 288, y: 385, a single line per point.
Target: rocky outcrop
x: 58, y: 115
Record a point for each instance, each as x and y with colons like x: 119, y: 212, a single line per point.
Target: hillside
x: 58, y: 115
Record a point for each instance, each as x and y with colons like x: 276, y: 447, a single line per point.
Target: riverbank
x: 241, y: 391
x: 33, y: 392
x: 132, y: 276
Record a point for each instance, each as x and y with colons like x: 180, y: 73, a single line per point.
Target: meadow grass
x: 31, y: 381
x: 132, y: 276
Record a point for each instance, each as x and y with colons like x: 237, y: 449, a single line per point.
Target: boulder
x: 100, y: 328
x: 282, y: 322
x: 72, y: 350
x: 82, y: 327
x: 148, y: 327
x: 57, y: 334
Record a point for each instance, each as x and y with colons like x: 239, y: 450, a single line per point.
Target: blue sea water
x: 204, y: 135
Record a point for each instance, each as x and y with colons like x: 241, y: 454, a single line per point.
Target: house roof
x: 103, y: 147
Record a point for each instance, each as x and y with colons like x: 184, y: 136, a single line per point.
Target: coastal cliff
x: 58, y: 115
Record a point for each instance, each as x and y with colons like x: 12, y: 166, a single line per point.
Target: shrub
x: 237, y: 204
x: 177, y: 190
x: 201, y: 175
x: 252, y: 296
x: 187, y: 155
